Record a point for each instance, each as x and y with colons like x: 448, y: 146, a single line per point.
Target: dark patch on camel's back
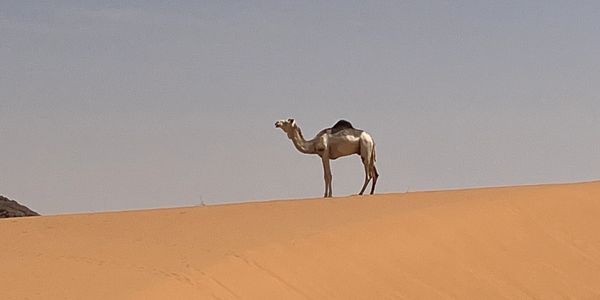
x: 10, y: 208
x: 341, y: 125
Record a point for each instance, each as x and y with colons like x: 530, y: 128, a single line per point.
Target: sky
x: 118, y: 105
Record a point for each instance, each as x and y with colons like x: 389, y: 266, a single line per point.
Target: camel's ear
x: 291, y: 120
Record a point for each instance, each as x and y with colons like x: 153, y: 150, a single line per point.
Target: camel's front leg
x: 327, y: 176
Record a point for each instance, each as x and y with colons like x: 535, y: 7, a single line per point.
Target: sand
x: 493, y: 243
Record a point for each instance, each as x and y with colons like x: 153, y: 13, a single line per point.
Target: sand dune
x: 514, y: 242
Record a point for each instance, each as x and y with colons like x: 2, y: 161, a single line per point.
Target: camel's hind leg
x: 367, y: 179
x: 367, y: 175
x: 367, y: 154
x: 375, y: 176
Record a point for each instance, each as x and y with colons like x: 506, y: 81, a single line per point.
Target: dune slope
x: 494, y: 243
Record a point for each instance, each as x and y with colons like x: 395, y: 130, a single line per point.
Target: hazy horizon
x: 145, y: 104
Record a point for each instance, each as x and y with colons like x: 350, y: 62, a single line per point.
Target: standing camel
x: 340, y: 140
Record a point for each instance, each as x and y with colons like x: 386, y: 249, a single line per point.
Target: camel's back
x: 341, y: 125
x: 341, y: 128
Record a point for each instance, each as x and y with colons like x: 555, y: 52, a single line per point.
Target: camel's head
x: 286, y: 125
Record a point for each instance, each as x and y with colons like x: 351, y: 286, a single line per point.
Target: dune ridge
x: 494, y: 243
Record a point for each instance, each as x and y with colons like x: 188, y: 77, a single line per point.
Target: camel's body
x: 331, y: 143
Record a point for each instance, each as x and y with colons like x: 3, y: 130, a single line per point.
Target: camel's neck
x: 300, y: 143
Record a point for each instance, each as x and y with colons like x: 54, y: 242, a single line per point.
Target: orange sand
x: 516, y: 242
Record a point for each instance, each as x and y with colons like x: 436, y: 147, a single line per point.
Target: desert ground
x: 528, y: 242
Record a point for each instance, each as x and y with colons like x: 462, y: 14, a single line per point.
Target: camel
x: 331, y: 143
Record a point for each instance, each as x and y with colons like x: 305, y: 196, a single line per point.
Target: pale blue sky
x: 110, y: 105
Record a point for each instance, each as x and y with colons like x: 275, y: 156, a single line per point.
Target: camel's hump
x: 341, y: 125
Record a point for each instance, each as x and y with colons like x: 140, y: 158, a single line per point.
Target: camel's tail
x: 374, y: 173
x: 373, y: 158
